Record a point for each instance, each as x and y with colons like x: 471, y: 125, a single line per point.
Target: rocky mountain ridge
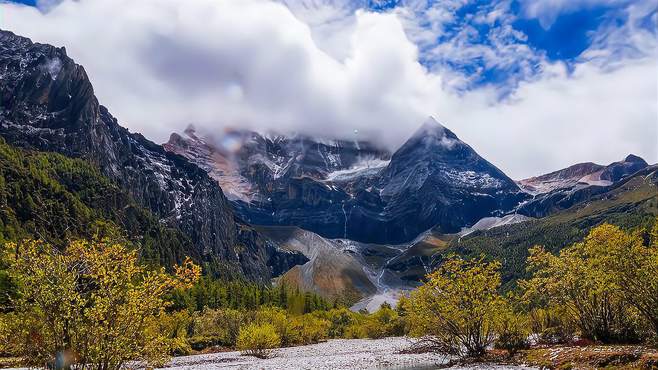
x: 564, y: 188
x: 354, y: 190
x: 47, y: 104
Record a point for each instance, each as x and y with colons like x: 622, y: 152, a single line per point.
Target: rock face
x: 359, y: 273
x: 575, y: 184
x: 437, y: 179
x: 286, y: 180
x: 47, y: 103
x: 561, y: 179
x: 354, y: 190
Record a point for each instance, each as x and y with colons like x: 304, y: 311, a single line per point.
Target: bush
x: 5, y: 334
x: 339, y: 320
x: 552, y: 325
x: 278, y: 318
x: 307, y: 329
x: 258, y: 340
x: 174, y: 326
x: 587, y: 279
x: 94, y: 300
x: 217, y: 327
x: 512, y: 331
x: 384, y: 323
x: 294, y: 329
x: 456, y: 309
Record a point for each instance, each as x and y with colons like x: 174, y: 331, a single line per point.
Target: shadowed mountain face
x: 354, y: 190
x: 437, y: 179
x: 47, y: 103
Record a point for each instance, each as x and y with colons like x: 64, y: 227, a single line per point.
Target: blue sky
x: 532, y: 85
x: 564, y: 38
x: 570, y: 30
x: 552, y: 31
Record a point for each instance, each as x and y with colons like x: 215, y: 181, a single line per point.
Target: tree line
x: 603, y: 289
x: 92, y: 304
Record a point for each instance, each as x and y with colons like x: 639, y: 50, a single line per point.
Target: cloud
x: 546, y: 11
x: 588, y: 115
x: 613, y: 43
x: 161, y: 64
x: 464, y: 49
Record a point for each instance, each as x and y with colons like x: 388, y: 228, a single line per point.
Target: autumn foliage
x: 456, y: 310
x: 606, y: 285
x: 92, y: 305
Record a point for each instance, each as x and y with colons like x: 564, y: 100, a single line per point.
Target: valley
x: 335, y: 250
x: 321, y: 189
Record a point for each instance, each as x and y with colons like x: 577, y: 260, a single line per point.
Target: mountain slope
x: 354, y: 190
x: 331, y: 271
x: 578, y: 183
x: 629, y: 203
x: 285, y: 180
x: 47, y: 104
x: 562, y: 179
x: 56, y: 198
x: 356, y: 273
x: 435, y: 179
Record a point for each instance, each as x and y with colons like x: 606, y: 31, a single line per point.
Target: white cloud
x: 612, y: 43
x: 563, y: 119
x: 546, y: 11
x: 161, y: 64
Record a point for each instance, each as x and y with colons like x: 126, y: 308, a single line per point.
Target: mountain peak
x: 634, y: 158
x: 431, y: 127
x: 429, y: 136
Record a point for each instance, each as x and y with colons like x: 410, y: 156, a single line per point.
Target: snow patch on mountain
x: 365, y: 167
x: 474, y: 179
x: 53, y: 67
x: 488, y: 223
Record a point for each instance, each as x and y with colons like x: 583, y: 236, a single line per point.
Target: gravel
x: 331, y: 355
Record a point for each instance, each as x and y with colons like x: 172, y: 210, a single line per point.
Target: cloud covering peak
x: 160, y: 65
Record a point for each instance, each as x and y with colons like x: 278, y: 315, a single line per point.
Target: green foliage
x: 90, y: 304
x: 457, y: 308
x: 633, y: 205
x: 240, y: 295
x: 512, y: 328
x: 216, y: 327
x: 306, y: 329
x: 340, y: 319
x: 385, y: 322
x: 551, y: 324
x: 258, y: 340
x: 632, y: 260
x: 174, y: 327
x: 56, y: 199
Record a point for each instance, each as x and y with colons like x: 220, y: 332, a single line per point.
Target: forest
x: 80, y: 305
x: 81, y: 264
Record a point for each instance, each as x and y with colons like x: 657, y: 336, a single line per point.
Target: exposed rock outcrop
x: 47, y: 103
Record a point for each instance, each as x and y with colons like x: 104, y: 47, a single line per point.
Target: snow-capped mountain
x: 564, y: 188
x: 437, y: 180
x: 252, y: 167
x: 353, y: 190
x: 584, y: 174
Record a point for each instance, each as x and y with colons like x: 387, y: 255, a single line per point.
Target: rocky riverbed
x: 331, y: 355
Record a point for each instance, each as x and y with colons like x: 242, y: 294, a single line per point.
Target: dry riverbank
x: 331, y: 355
